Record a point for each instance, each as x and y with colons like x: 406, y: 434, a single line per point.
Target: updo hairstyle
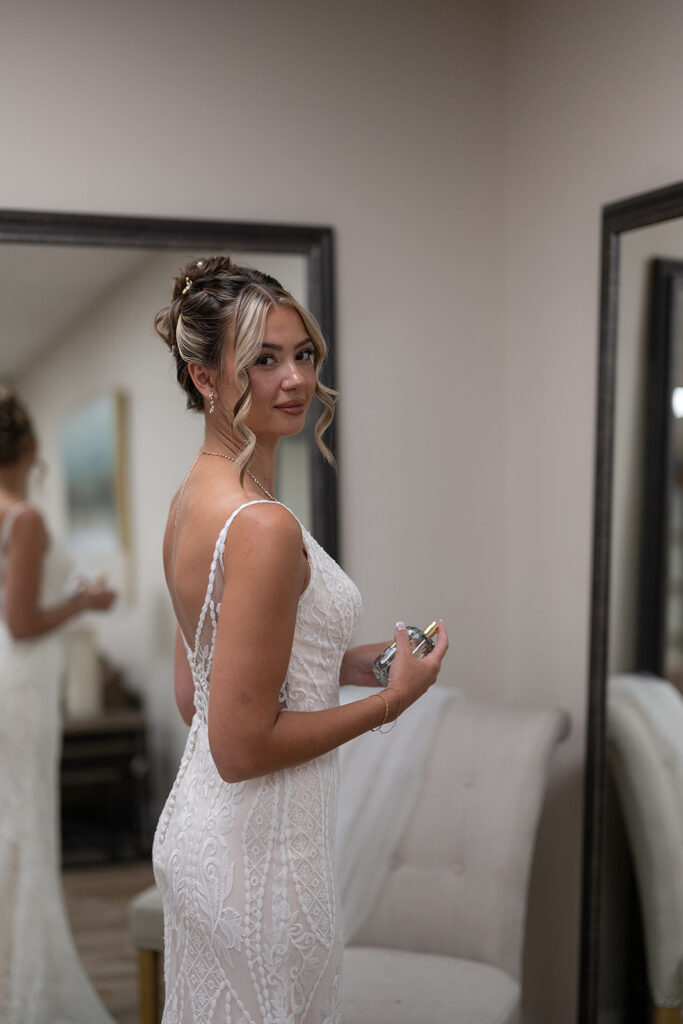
x: 16, y: 430
x: 214, y: 299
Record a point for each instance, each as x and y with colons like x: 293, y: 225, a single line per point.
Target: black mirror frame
x: 625, y: 215
x: 313, y: 242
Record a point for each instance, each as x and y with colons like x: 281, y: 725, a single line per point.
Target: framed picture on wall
x: 94, y: 458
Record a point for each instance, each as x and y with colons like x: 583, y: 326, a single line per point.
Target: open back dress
x: 252, y: 929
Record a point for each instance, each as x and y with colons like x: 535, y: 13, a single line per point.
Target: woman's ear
x: 202, y: 380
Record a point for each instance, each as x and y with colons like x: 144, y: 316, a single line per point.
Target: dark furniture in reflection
x: 660, y: 626
x: 103, y: 786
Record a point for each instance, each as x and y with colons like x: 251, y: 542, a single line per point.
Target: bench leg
x: 148, y: 986
x: 667, y: 1015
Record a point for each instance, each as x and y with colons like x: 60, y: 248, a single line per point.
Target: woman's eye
x: 270, y: 360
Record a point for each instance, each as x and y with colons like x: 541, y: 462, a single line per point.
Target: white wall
x: 591, y: 114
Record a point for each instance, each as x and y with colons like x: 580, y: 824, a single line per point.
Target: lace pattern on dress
x: 246, y: 870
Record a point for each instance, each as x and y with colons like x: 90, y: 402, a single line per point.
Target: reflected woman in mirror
x: 244, y: 848
x: 41, y: 978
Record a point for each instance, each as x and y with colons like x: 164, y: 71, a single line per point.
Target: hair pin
x: 188, y: 285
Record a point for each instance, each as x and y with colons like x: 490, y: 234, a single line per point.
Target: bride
x: 244, y: 849
x: 41, y: 978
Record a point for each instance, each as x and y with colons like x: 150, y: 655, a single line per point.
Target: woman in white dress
x: 41, y: 978
x: 244, y: 849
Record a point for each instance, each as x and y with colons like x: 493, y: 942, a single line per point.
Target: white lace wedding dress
x: 247, y: 870
x: 41, y: 978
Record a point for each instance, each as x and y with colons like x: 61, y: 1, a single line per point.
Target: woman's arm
x: 183, y: 682
x: 28, y: 541
x: 249, y: 736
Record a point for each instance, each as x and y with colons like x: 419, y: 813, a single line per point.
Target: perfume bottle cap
x: 430, y: 630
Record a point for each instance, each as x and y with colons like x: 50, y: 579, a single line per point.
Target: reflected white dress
x: 247, y: 870
x: 41, y: 978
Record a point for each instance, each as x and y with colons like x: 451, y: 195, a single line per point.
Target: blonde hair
x: 213, y: 299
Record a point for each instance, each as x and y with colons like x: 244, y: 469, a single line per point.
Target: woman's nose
x: 293, y: 376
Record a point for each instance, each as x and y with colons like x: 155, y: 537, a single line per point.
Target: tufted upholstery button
x: 458, y: 869
x: 394, y: 863
x: 468, y: 780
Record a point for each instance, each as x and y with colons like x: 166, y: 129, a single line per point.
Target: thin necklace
x: 180, y: 496
x: 204, y: 451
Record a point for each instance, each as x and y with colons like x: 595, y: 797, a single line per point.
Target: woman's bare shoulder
x: 206, y: 511
x: 26, y: 516
x: 264, y: 554
x: 28, y: 525
x: 266, y: 522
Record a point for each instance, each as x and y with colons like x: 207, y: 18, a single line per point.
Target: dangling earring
x: 41, y: 469
x: 211, y: 406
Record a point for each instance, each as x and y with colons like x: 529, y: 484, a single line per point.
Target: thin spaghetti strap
x: 217, y: 560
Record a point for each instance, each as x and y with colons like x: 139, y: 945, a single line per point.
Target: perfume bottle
x: 421, y: 643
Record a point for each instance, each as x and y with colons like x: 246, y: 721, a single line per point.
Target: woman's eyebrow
x: 271, y: 344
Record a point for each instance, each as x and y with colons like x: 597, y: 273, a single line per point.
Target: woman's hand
x: 356, y: 666
x: 99, y: 599
x: 410, y: 675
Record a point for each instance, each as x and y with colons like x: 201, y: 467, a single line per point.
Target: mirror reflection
x: 642, y: 919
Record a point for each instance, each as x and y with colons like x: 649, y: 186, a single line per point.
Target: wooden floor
x: 97, y: 901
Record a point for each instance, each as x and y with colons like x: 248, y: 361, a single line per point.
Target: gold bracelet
x: 385, y: 731
x: 382, y: 694
x: 378, y: 728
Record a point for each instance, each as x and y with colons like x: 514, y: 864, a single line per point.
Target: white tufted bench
x: 644, y: 730
x: 443, y: 943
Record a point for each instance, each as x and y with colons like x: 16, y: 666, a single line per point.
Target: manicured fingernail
x: 400, y: 625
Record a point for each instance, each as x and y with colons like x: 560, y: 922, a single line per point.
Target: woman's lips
x: 294, y: 409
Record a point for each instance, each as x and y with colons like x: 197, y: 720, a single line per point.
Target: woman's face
x: 283, y: 377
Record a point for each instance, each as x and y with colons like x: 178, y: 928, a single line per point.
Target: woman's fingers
x: 404, y: 658
x: 401, y: 639
x: 441, y: 644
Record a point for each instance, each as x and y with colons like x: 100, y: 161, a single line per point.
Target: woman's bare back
x: 189, y: 542
x: 246, y: 867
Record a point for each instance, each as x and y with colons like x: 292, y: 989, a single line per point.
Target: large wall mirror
x: 632, y: 934
x: 78, y: 296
